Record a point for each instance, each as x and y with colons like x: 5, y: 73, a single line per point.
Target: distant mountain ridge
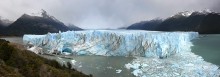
x: 43, y: 24
x: 146, y: 25
x: 204, y: 22
x: 73, y: 27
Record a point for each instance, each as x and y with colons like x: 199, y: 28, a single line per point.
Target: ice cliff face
x: 138, y: 43
x: 113, y: 42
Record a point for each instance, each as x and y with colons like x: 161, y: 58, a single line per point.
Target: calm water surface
x: 99, y: 66
x: 208, y: 46
x: 14, y: 39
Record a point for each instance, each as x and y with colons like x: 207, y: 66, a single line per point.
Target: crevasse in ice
x: 114, y: 42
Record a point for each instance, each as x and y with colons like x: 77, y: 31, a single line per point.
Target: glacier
x: 157, y: 54
x: 113, y: 42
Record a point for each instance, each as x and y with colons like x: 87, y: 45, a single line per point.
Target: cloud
x: 99, y: 14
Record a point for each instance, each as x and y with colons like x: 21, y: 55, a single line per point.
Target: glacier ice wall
x: 114, y: 42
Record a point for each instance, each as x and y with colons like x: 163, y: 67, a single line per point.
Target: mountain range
x: 204, y: 22
x: 27, y: 24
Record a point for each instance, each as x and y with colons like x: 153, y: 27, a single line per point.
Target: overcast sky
x: 100, y: 14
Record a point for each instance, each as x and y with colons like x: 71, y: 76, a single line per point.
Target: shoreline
x: 14, y: 56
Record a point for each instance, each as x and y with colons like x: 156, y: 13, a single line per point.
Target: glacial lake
x: 207, y: 46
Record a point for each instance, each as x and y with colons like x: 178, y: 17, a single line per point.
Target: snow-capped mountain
x: 203, y: 22
x: 189, y: 13
x: 182, y: 14
x: 37, y: 24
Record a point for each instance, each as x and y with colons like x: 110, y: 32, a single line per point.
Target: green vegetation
x: 15, y: 62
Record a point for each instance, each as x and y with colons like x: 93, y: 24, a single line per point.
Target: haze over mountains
x: 3, y: 24
x: 204, y: 22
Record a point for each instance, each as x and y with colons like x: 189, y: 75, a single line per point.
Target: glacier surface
x: 113, y: 42
x: 146, y: 46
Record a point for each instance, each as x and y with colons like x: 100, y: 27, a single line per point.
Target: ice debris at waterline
x: 186, y: 64
x: 112, y: 43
